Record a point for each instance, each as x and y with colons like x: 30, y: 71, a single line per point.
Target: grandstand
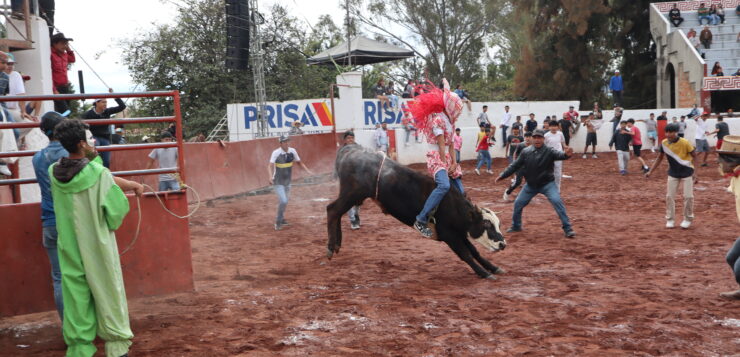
x: 683, y: 75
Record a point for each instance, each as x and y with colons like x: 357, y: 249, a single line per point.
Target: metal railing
x: 176, y: 118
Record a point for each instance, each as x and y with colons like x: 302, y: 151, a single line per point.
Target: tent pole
x: 349, y: 38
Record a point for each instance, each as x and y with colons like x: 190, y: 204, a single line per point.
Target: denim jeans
x: 553, y: 195
x: 103, y: 141
x: 50, y: 243
x: 439, y: 192
x: 705, y: 17
x: 394, y: 101
x: 733, y: 258
x: 458, y: 184
x: 484, y: 157
x: 457, y: 156
x: 282, y: 192
x: 353, y: 212
x: 503, y: 133
x: 409, y: 129
x: 169, y: 185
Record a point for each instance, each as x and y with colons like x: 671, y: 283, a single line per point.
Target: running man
x: 700, y: 136
x: 637, y: 143
x: 681, y: 173
x: 536, y: 165
x: 281, y: 172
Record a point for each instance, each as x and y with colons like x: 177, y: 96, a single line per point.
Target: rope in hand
x: 138, y: 206
x: 377, y: 182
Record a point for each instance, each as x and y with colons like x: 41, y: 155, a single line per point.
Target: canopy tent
x: 362, y: 50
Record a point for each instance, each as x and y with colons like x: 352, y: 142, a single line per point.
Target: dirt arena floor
x: 626, y: 286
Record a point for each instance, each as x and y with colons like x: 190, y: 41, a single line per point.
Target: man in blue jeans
x: 41, y: 162
x: 536, y: 163
x: 281, y: 172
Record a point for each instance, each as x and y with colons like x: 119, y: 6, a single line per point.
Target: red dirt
x: 624, y: 286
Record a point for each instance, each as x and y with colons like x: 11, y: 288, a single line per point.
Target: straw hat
x: 730, y: 145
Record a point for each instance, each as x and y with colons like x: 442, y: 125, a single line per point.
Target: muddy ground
x: 624, y: 286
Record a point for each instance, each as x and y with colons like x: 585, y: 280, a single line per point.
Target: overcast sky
x: 98, y: 25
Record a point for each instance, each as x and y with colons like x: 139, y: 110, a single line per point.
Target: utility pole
x: 349, y: 36
x: 258, y: 69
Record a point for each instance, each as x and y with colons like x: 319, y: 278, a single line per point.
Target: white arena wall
x: 361, y: 115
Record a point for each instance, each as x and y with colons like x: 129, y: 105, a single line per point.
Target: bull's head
x: 486, y: 231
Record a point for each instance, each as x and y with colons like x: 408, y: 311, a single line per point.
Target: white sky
x: 98, y: 25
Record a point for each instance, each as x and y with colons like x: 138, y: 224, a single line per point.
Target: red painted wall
x: 158, y: 263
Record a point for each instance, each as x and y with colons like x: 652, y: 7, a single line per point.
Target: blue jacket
x: 41, y: 162
x: 616, y: 83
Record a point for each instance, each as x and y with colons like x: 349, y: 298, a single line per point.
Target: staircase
x: 724, y: 49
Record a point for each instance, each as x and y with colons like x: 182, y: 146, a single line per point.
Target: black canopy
x: 362, y: 50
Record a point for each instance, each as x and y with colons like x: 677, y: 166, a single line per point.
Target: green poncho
x: 89, y: 206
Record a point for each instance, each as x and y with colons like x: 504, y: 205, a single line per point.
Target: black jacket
x: 103, y: 130
x: 536, y: 165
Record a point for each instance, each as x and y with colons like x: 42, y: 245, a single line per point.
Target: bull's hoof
x: 490, y: 277
x: 329, y: 253
x: 499, y: 271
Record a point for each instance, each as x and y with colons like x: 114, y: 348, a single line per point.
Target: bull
x: 401, y: 192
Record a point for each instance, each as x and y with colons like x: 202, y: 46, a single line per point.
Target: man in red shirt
x: 61, y: 57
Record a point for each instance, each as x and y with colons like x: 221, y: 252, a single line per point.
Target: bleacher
x: 725, y: 48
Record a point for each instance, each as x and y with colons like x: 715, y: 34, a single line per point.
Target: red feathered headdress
x: 434, y: 100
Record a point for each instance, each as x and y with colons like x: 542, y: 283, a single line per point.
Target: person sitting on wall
x: 675, y: 16
x: 380, y: 94
x: 295, y: 129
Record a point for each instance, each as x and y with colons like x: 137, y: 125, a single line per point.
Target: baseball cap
x: 284, y: 138
x: 538, y: 132
x: 11, y: 58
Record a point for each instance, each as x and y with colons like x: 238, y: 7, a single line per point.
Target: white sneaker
x: 685, y: 224
x: 4, y: 170
x: 652, y: 149
x: 506, y: 196
x: 490, y: 172
x: 585, y: 156
x: 594, y: 156
x: 477, y: 172
x: 670, y: 224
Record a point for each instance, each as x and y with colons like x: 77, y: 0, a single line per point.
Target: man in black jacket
x: 102, y: 133
x: 536, y: 164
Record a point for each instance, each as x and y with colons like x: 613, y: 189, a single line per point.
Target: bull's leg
x: 483, y: 261
x: 457, y: 244
x: 334, y: 213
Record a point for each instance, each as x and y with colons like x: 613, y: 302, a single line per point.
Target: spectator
x: 7, y: 136
x: 737, y: 73
x: 198, y: 138
x: 408, y: 90
x: 703, y: 14
x: 737, y: 11
x: 295, y: 128
x: 571, y: 114
x: 591, y: 137
x: 616, y: 86
x: 484, y: 156
x: 706, y: 37
x: 681, y: 173
x: 167, y: 159
x: 675, y: 16
x: 720, y: 72
x: 546, y: 123
x: 566, y: 126
x: 713, y: 14
x: 720, y: 13
x: 381, y: 138
x: 463, y: 94
x: 637, y: 143
x: 16, y: 87
x: 457, y: 140
x: 622, y: 144
x: 694, y: 40
x: 517, y: 124
x: 505, y: 122
x: 90, y: 204
x: 598, y: 115
x: 61, y: 57
x: 663, y: 115
x: 652, y: 130
x: 716, y: 68
x: 615, y: 123
x: 721, y: 130
x: 531, y: 124
x: 730, y: 112
x: 512, y: 141
x: 390, y: 91
x: 536, y: 163
x: 408, y: 125
x: 381, y: 95
x: 518, y: 178
x: 117, y: 137
x: 554, y: 139
x: 682, y: 127
x: 694, y: 112
x: 281, y: 172
x: 41, y: 162
x: 700, y: 136
x: 172, y: 128
x: 483, y: 116
x: 102, y: 133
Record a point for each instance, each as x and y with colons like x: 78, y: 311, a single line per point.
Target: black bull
x: 401, y: 192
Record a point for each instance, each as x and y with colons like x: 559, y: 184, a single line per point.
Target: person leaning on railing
x: 102, y: 133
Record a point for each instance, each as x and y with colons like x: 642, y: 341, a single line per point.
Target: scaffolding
x: 258, y: 69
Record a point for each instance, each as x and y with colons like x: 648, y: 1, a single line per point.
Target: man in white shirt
x: 381, y: 138
x: 701, y: 136
x: 505, y: 123
x: 16, y: 87
x: 281, y: 173
x: 555, y: 140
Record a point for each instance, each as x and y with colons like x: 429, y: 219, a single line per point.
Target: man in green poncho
x: 89, y: 204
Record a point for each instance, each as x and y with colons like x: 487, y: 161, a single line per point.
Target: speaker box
x: 237, y: 34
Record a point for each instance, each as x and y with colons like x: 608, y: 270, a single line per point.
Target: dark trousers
x: 503, y: 133
x: 676, y: 21
x: 617, y: 96
x: 614, y: 133
x: 105, y: 155
x: 566, y: 136
x: 515, y: 184
x: 706, y: 43
x: 61, y: 106
x: 733, y: 258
